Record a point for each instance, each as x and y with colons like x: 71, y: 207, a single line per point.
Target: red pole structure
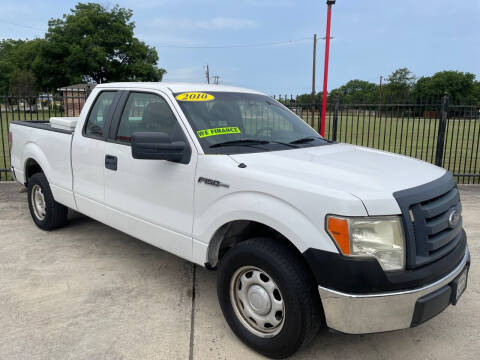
x: 325, y: 72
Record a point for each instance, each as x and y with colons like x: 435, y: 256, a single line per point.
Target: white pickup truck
x: 304, y: 232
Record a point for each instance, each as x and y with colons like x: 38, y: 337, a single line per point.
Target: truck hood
x: 371, y: 175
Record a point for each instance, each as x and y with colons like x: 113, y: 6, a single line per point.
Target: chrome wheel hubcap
x: 38, y: 202
x: 257, y: 301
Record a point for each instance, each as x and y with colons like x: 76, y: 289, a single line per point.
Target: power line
x: 232, y: 46
x: 21, y: 25
x: 287, y: 42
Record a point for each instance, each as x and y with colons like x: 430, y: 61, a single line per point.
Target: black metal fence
x: 35, y: 108
x: 435, y: 131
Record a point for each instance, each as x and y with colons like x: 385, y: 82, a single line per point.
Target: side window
x: 147, y: 113
x: 95, y: 126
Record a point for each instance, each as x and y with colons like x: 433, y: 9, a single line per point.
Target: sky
x: 370, y: 37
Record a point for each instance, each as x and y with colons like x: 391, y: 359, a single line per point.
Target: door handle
x: 111, y: 162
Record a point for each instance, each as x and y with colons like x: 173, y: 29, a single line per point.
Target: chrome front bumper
x: 369, y: 313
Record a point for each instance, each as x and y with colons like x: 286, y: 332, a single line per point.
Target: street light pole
x: 314, y: 66
x: 325, y: 72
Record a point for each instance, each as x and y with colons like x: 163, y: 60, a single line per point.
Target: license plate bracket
x: 459, y: 285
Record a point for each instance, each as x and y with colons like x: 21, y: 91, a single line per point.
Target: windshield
x: 230, y: 123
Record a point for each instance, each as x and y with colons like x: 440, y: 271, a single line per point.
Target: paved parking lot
x: 90, y: 292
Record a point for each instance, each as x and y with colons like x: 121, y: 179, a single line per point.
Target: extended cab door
x: 88, y: 154
x: 149, y: 199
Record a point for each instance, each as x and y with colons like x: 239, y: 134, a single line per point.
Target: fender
x: 34, y: 152
x: 61, y: 191
x: 263, y: 208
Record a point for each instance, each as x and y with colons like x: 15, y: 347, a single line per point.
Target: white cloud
x: 143, y: 4
x: 152, y: 4
x: 191, y: 74
x: 13, y: 10
x: 268, y: 3
x: 152, y: 38
x: 230, y: 23
x: 216, y: 23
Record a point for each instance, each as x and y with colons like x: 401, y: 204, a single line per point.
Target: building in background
x: 74, y: 97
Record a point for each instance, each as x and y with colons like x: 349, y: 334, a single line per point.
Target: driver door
x: 149, y: 199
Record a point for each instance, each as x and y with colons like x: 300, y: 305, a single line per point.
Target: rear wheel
x: 268, y: 297
x: 46, y: 212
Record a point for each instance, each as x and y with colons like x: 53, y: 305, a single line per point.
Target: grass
x: 413, y: 136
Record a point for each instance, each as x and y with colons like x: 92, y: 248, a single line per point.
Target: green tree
x: 461, y: 87
x: 26, y: 53
x: 399, y: 85
x: 22, y: 83
x: 476, y: 93
x: 6, y: 64
x: 355, y: 92
x: 17, y: 58
x: 92, y: 42
x: 306, y: 99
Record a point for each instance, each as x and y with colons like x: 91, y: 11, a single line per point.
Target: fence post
x: 2, y: 141
x: 442, y: 126
x: 335, y: 118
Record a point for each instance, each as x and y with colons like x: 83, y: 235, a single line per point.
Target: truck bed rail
x: 44, y: 125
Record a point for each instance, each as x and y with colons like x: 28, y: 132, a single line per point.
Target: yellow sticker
x: 218, y: 131
x: 195, y: 96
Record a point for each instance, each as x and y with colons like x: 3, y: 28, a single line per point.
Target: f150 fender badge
x: 212, y: 182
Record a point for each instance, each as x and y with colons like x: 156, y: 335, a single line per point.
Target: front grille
x: 426, y: 213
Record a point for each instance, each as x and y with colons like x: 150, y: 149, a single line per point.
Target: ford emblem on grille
x: 453, y: 218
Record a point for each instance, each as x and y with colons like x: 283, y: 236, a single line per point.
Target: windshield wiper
x: 250, y: 142
x: 242, y: 142
x: 305, y: 140
x: 283, y: 143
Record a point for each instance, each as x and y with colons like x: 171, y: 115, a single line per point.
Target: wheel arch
x: 31, y: 167
x: 236, y: 216
x: 237, y: 231
x: 35, y: 161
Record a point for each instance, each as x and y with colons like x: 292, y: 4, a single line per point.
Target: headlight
x: 379, y: 237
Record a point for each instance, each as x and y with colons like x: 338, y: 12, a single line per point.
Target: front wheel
x: 46, y: 212
x: 268, y: 297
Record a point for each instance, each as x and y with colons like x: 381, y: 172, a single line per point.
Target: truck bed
x: 51, y: 149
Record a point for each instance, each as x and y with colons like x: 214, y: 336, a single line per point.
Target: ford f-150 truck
x: 304, y: 232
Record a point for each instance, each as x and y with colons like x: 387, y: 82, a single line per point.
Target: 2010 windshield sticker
x: 218, y: 131
x: 195, y: 96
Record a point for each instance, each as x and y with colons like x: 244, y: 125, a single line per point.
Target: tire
x: 285, y: 270
x: 51, y: 215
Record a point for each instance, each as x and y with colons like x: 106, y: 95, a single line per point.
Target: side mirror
x: 158, y: 146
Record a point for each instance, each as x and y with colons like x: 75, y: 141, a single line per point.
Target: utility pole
x: 207, y: 74
x: 325, y: 73
x: 314, y: 66
x: 216, y: 79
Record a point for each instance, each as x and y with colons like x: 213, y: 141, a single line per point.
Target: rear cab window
x: 95, y: 126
